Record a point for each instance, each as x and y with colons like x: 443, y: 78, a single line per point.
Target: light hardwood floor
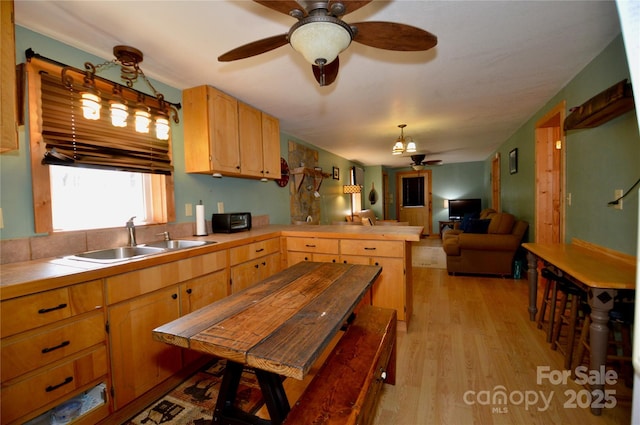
x: 472, y: 335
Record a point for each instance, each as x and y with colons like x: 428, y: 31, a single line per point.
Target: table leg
x: 225, y: 412
x: 601, y: 302
x: 274, y: 396
x: 532, y: 263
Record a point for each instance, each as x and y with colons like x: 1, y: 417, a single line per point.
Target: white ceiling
x: 495, y: 65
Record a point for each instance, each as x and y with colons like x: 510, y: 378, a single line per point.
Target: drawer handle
x: 66, y: 381
x: 50, y: 349
x: 256, y: 265
x: 310, y: 245
x: 174, y: 296
x: 189, y: 291
x: 47, y: 310
x: 260, y: 250
x: 369, y: 249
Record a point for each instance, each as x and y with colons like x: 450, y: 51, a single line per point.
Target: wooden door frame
x: 495, y: 183
x: 428, y: 195
x: 550, y: 182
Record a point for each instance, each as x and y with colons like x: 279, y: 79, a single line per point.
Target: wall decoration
x: 336, y: 173
x: 513, y: 161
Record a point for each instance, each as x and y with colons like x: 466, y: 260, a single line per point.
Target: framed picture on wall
x: 513, y: 161
x: 336, y: 173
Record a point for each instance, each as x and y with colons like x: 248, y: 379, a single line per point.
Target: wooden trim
x: 625, y: 258
x: 8, y: 89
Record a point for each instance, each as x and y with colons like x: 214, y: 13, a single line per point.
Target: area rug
x: 429, y: 256
x: 193, y: 401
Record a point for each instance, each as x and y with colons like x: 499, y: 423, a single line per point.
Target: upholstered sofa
x: 484, y: 245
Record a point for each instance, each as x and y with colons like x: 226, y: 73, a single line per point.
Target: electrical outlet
x: 618, y: 194
x: 220, y: 207
x: 1, y: 219
x: 188, y: 210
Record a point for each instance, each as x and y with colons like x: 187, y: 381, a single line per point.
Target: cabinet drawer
x: 129, y: 285
x: 26, y: 353
x: 372, y: 248
x: 51, y: 384
x: 240, y: 254
x: 325, y: 246
x: 32, y: 311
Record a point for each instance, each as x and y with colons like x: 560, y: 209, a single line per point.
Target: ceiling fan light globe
x: 317, y: 41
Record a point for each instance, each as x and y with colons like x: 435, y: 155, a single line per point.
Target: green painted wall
x: 598, y: 161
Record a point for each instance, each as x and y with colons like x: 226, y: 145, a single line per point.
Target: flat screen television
x: 459, y: 207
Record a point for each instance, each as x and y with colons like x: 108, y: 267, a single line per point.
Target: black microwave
x: 230, y: 222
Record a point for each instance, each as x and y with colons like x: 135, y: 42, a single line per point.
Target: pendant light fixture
x: 129, y: 59
x: 403, y: 145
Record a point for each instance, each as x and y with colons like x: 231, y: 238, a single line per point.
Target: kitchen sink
x: 177, y: 244
x: 112, y: 255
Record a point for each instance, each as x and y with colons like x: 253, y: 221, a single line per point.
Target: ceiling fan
x: 320, y: 35
x: 419, y: 163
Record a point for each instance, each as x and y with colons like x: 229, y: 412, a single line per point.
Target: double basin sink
x: 113, y: 255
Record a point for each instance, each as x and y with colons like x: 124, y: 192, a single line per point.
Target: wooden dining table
x: 279, y: 327
x: 600, y: 273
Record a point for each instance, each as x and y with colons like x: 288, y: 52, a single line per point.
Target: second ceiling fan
x: 320, y: 35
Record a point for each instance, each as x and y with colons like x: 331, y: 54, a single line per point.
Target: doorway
x: 414, y: 199
x: 550, y: 183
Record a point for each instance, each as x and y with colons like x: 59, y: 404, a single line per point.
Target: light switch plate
x: 188, y: 210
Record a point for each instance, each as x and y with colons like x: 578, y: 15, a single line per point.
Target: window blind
x: 73, y: 140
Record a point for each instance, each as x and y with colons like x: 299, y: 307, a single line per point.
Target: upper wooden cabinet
x: 223, y: 135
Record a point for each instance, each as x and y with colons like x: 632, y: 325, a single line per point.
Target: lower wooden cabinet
x: 312, y: 249
x: 138, y: 363
x: 253, y: 262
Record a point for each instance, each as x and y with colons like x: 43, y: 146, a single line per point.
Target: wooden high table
x: 600, y: 274
x: 279, y: 327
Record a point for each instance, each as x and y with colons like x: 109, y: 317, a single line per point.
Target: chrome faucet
x: 165, y: 236
x: 132, y: 231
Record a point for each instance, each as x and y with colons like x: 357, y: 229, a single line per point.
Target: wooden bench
x: 345, y: 389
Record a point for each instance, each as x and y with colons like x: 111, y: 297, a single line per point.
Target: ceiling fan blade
x: 282, y: 6
x: 433, y: 162
x: 327, y: 74
x: 254, y: 48
x: 394, y: 36
x: 350, y: 5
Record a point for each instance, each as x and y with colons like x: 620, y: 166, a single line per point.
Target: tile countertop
x: 24, y: 278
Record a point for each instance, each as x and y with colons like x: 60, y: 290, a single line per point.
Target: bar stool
x: 549, y: 298
x: 575, y: 298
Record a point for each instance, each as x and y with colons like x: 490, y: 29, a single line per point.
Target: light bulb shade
x: 351, y: 188
x: 411, y: 147
x: 90, y: 104
x: 320, y: 40
x: 162, y: 128
x: 398, y: 148
x: 143, y: 119
x: 119, y: 114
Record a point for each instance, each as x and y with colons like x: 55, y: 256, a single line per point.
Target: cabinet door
x: 138, y: 363
x: 389, y: 288
x: 202, y: 291
x: 248, y: 274
x: 271, y: 146
x: 197, y: 293
x: 250, y: 136
x: 223, y: 132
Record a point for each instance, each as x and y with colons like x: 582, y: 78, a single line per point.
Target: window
x: 75, y: 198
x: 83, y: 198
x: 413, y: 192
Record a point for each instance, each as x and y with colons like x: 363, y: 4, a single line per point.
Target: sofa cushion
x: 501, y: 223
x: 477, y: 225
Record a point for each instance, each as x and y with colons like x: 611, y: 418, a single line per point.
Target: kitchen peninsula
x: 130, y: 298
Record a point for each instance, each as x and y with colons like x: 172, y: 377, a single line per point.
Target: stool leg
x: 543, y: 308
x: 552, y: 311
x: 582, y: 343
x: 568, y: 357
x: 555, y: 330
